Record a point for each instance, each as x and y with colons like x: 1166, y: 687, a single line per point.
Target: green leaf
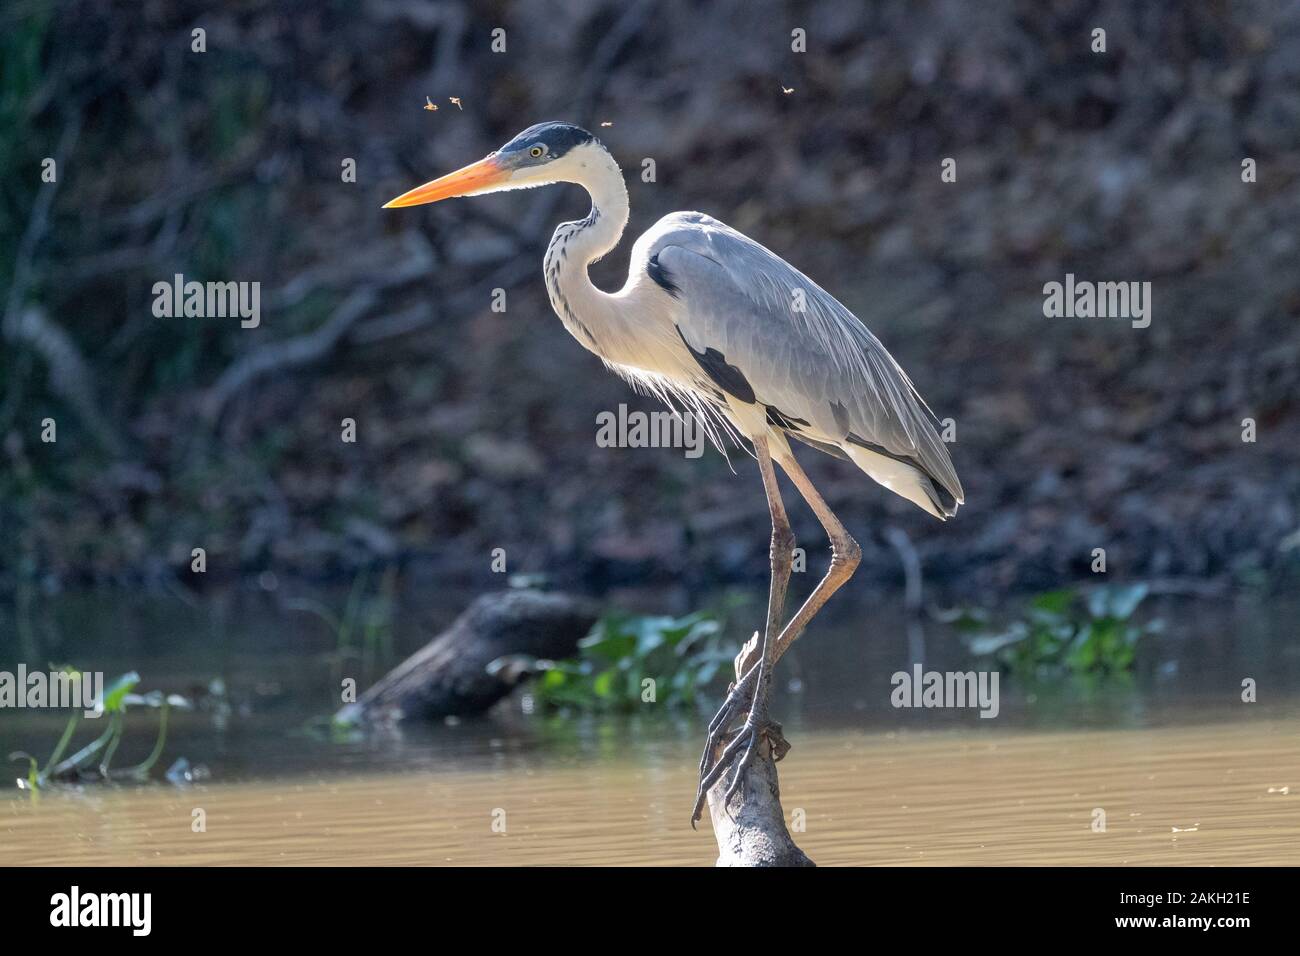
x: 608, y: 640
x: 650, y: 636
x: 116, y: 692
x: 621, y: 651
x: 1054, y: 602
x: 1061, y: 634
x: 554, y: 679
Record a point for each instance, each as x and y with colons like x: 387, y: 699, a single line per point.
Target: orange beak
x: 484, y: 174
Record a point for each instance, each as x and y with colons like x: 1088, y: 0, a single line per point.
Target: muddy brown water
x: 1187, y: 795
x: 1184, y: 772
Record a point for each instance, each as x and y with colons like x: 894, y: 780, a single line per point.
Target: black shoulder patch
x: 727, y: 377
x: 779, y: 419
x: 662, y: 277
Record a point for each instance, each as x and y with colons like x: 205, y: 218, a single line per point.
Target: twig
x: 508, y: 272
x: 39, y: 220
x: 911, y: 561
x: 410, y: 251
x: 69, y: 374
x: 291, y: 353
x: 607, y: 52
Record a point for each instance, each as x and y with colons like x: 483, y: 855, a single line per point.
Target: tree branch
x: 751, y: 831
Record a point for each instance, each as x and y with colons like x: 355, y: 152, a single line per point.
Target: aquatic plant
x: 628, y: 661
x: 364, y: 630
x: 94, y: 761
x: 1064, y: 632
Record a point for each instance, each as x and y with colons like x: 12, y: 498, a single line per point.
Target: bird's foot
x: 738, y: 750
x: 736, y: 756
x: 740, y: 696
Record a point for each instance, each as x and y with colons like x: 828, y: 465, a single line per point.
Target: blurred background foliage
x: 476, y: 429
x: 1064, y: 632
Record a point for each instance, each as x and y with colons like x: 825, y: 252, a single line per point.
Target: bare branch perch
x: 751, y: 831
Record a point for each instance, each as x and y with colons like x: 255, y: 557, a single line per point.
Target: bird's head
x: 542, y: 154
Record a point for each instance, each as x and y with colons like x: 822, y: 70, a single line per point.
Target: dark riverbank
x: 475, y: 430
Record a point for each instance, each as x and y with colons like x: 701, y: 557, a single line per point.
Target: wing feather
x: 798, y: 347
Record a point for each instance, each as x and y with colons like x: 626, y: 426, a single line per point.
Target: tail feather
x: 905, y: 480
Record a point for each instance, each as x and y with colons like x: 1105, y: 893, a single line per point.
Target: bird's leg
x: 740, y: 693
x: 753, y: 680
x: 781, y: 555
x: 845, y: 556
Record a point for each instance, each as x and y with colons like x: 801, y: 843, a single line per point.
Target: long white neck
x: 591, y: 315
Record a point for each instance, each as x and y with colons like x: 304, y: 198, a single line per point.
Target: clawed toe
x: 738, y: 754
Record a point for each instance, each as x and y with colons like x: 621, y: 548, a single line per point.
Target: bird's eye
x: 537, y: 151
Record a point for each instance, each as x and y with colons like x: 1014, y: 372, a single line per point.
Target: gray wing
x: 800, y: 351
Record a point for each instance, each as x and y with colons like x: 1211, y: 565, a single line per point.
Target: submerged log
x: 450, y: 675
x: 751, y: 830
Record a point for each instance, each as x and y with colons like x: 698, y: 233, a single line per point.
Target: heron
x: 717, y: 325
